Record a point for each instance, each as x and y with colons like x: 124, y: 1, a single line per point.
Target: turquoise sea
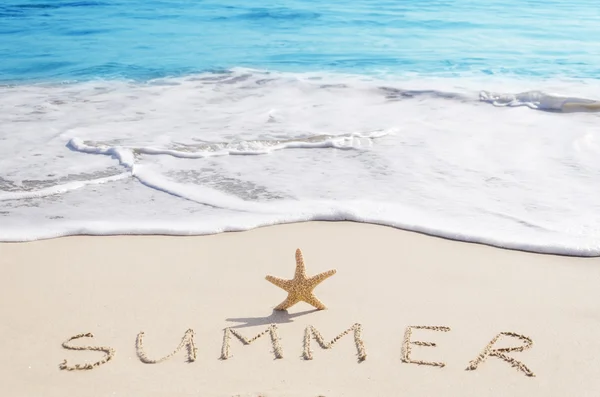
x: 80, y: 40
x: 471, y: 120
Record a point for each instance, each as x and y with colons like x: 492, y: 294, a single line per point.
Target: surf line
x: 188, y: 344
x: 128, y: 158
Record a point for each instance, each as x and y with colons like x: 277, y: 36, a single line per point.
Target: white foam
x: 125, y: 155
x: 59, y: 189
x: 210, y: 153
x: 541, y: 101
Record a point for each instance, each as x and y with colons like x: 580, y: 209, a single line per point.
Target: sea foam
x: 228, y: 151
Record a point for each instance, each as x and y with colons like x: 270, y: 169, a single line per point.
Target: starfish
x: 300, y: 288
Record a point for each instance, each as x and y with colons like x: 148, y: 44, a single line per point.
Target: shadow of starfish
x: 277, y: 317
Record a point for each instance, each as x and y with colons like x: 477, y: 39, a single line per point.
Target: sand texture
x: 407, y: 315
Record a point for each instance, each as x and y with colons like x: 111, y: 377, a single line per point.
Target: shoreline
x: 483, y: 241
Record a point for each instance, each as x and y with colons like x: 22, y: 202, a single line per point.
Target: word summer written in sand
x: 301, y: 288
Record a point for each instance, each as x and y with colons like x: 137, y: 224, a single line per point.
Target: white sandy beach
x: 387, y: 280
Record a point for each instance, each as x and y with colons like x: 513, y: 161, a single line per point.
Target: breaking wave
x: 239, y: 149
x: 541, y: 101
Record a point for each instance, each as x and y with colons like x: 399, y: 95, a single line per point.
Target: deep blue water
x: 144, y: 39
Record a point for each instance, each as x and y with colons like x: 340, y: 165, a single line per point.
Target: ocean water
x: 471, y: 120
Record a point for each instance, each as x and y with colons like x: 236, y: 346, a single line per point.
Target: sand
x: 396, y: 294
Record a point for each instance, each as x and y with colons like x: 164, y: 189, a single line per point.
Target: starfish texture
x: 300, y: 288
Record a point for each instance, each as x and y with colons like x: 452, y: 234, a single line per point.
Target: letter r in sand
x: 500, y: 353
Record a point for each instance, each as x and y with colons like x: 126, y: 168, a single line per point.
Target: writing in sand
x: 300, y: 288
x: 188, y: 345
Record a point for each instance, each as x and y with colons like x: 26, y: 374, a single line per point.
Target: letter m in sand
x: 272, y: 330
x: 312, y: 331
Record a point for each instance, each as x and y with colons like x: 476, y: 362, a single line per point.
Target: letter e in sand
x: 406, y: 345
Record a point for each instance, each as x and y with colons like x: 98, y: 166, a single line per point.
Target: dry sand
x: 387, y: 280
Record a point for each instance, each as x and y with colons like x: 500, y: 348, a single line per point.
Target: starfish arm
x: 290, y: 301
x: 319, y: 278
x: 281, y: 283
x: 312, y: 300
x: 300, y: 268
